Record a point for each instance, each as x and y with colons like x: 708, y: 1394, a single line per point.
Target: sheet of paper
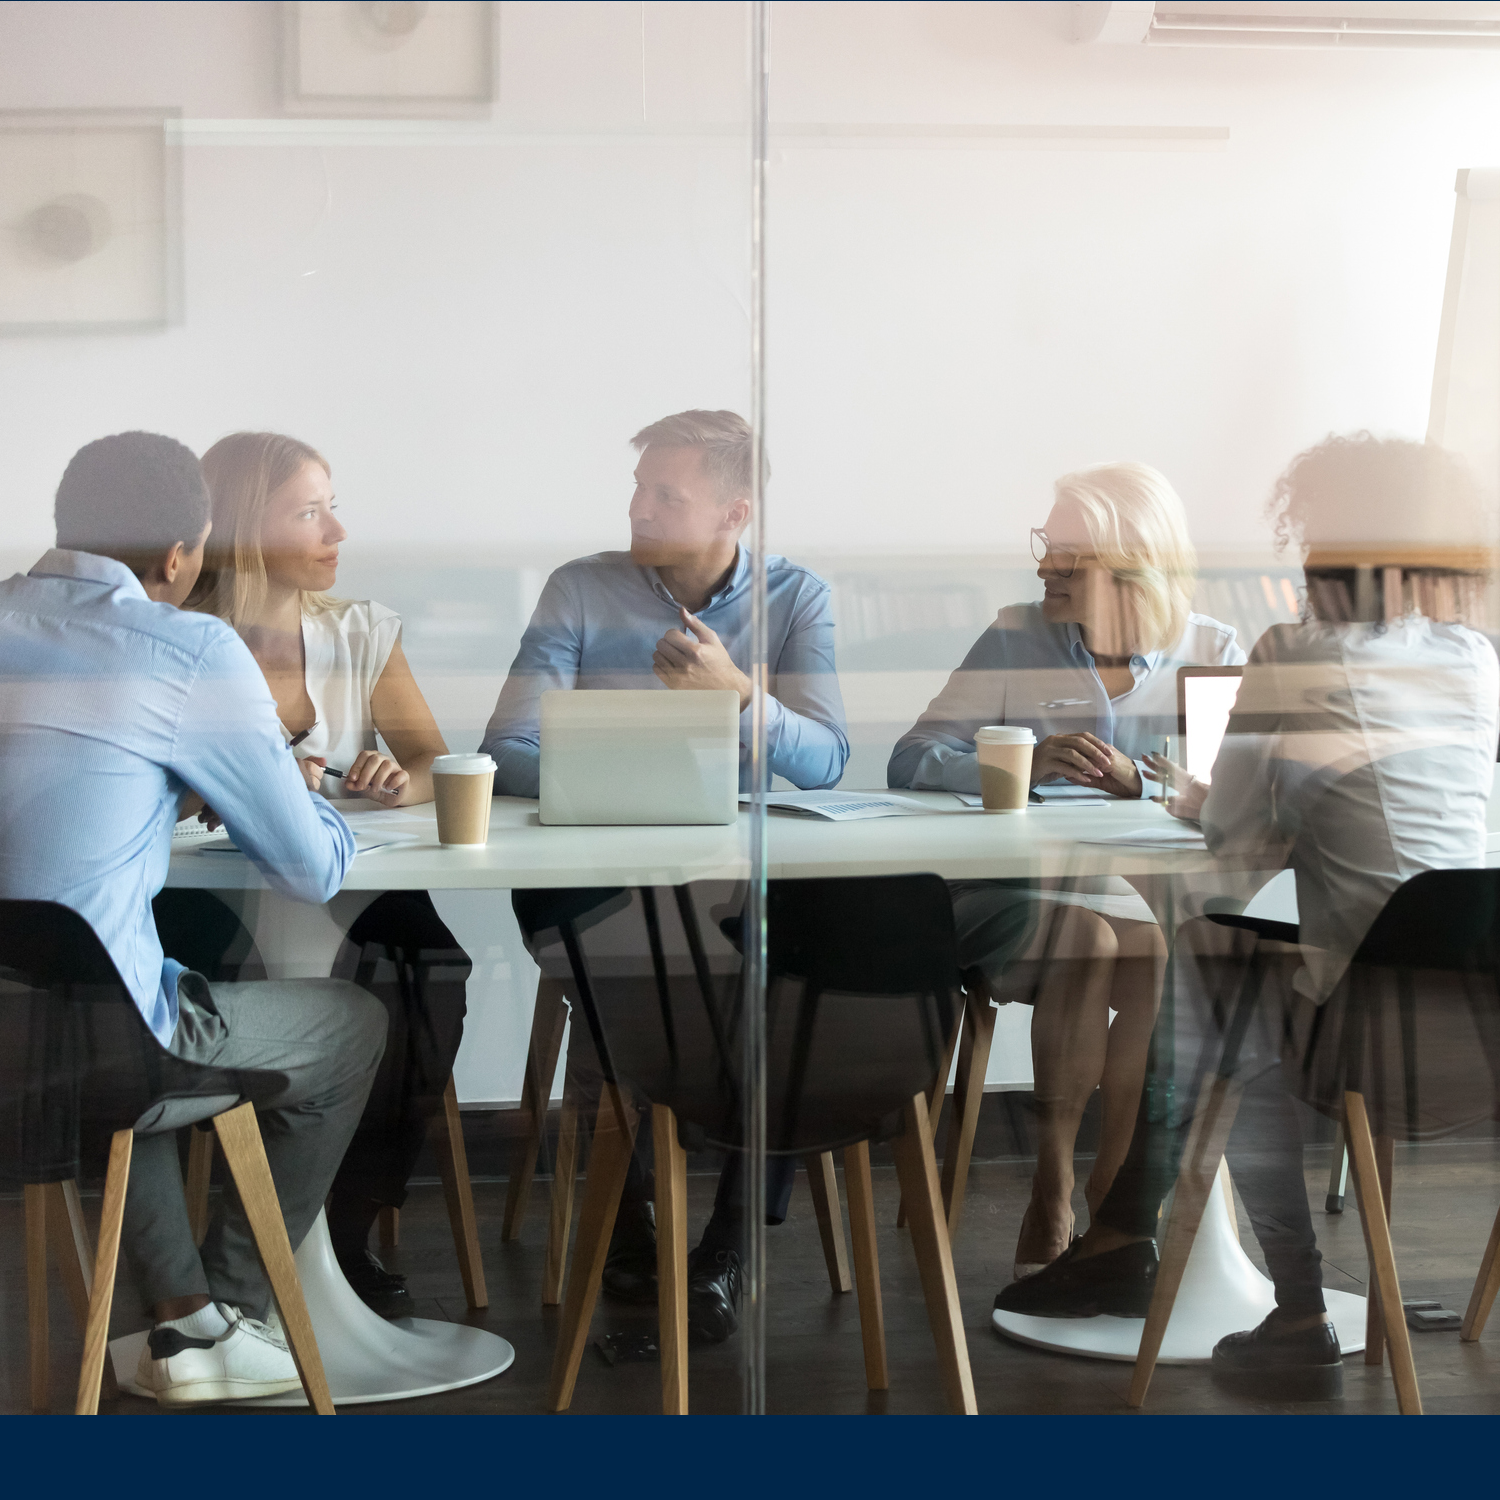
x: 844, y: 807
x: 1183, y: 836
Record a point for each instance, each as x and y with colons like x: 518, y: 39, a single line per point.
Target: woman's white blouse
x: 347, y: 647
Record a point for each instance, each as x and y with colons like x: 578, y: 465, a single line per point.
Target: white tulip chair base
x: 365, y: 1357
x: 1221, y: 1293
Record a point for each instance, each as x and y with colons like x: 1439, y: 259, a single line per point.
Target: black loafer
x: 1118, y: 1283
x: 380, y: 1290
x: 713, y: 1294
x: 1278, y: 1365
x: 630, y: 1269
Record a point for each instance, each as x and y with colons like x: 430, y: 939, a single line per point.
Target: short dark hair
x: 131, y: 497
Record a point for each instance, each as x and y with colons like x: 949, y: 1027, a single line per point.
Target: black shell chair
x: 81, y: 1066
x: 863, y: 992
x: 1407, y: 1047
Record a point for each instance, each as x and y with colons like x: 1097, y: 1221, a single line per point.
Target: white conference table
x: 370, y: 1359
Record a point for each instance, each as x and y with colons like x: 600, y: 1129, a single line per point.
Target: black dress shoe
x: 1118, y: 1283
x: 380, y: 1290
x: 1271, y: 1362
x: 713, y: 1294
x: 630, y: 1269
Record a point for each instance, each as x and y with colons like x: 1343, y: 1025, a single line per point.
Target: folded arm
x: 807, y: 741
x: 550, y: 652
x: 228, y: 750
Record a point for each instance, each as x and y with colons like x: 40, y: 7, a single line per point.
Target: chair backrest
x: 863, y: 984
x: 65, y: 1015
x: 1414, y: 1025
x: 1439, y: 920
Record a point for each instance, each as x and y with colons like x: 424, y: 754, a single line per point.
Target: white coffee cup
x: 1004, y: 766
x: 462, y: 787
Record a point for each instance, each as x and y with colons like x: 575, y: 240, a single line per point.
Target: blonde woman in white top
x: 340, y: 679
x: 334, y: 666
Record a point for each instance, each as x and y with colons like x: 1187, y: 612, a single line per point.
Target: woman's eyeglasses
x: 1062, y: 562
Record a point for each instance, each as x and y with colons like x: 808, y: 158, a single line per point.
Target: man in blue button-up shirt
x: 674, y: 612
x: 116, y: 707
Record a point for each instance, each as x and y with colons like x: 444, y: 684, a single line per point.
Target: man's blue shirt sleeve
x: 228, y: 749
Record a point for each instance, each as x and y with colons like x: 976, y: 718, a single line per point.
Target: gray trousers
x: 304, y: 1052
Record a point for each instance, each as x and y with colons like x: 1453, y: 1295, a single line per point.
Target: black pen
x: 384, y: 791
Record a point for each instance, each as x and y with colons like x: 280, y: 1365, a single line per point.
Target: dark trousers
x: 1265, y: 1144
x: 726, y: 1227
x: 400, y: 951
x: 1265, y: 1158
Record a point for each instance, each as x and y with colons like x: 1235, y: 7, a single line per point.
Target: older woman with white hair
x: 1092, y: 671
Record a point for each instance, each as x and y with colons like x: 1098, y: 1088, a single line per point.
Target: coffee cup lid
x: 1004, y: 734
x: 462, y: 765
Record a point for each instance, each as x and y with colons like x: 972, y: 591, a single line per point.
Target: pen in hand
x: 385, y: 791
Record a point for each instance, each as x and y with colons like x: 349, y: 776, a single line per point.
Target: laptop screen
x: 1205, y: 696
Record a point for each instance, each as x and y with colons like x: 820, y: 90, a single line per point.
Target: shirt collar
x: 88, y: 567
x: 1149, y: 660
x: 738, y: 582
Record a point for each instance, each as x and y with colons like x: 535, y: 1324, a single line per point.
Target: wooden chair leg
x: 866, y: 1263
x: 968, y: 1094
x: 609, y: 1161
x: 1486, y: 1284
x: 1385, y: 1153
x: 453, y: 1165
x: 917, y: 1168
x: 245, y: 1155
x: 937, y: 1095
x: 38, y: 1332
x: 199, y: 1169
x: 671, y: 1260
x: 96, y: 1330
x: 823, y: 1183
x: 74, y: 1253
x: 1383, y: 1279
x: 548, y: 1021
x: 560, y: 1208
x: 1218, y: 1102
x: 389, y: 1220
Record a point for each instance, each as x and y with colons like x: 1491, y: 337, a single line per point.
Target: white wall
x: 472, y: 330
x: 472, y: 319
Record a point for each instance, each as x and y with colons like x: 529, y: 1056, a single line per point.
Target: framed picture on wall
x: 90, y: 201
x: 401, y: 58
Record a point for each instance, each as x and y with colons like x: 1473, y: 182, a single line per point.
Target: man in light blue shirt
x: 674, y: 612
x: 116, y: 709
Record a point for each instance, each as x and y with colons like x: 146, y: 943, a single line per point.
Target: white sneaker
x: 251, y: 1359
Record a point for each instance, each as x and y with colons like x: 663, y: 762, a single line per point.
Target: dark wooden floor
x: 1445, y: 1199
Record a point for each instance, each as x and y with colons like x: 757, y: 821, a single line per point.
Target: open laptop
x: 639, y: 757
x: 1205, y: 697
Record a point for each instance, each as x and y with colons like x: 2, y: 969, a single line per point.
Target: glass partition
x: 490, y: 267
x: 1056, y: 298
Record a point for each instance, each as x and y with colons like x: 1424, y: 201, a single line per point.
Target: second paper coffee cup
x: 462, y: 787
x: 1004, y: 766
